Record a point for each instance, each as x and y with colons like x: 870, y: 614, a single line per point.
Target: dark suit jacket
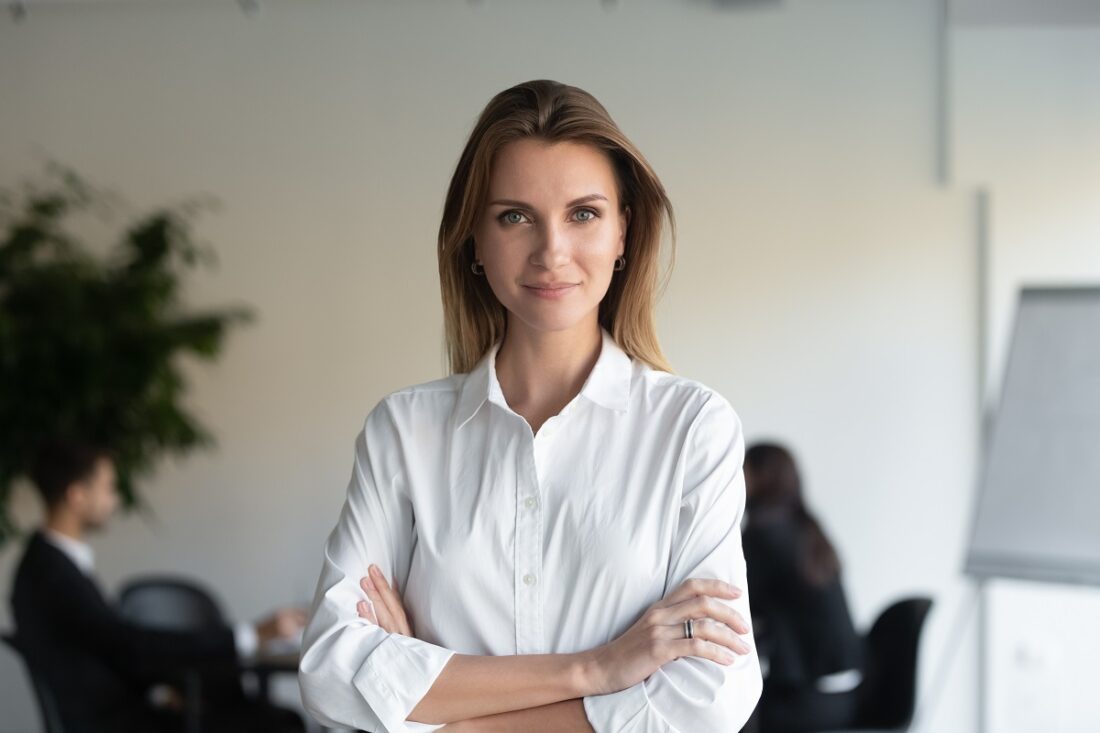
x: 98, y: 664
x: 804, y: 629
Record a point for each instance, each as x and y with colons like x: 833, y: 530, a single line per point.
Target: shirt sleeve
x: 352, y: 672
x: 245, y: 639
x: 692, y: 694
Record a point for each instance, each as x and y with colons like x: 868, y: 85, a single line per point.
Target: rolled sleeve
x: 353, y: 672
x: 396, y: 675
x: 692, y: 694
x: 245, y: 639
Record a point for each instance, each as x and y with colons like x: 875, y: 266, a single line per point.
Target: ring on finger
x: 689, y: 628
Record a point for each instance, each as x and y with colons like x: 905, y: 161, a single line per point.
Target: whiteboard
x: 1037, y: 516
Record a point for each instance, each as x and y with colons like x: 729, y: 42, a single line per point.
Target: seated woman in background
x: 800, y: 615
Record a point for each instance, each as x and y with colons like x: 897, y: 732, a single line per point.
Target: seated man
x: 99, y: 665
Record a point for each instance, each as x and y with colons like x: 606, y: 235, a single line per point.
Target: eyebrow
x: 574, y: 202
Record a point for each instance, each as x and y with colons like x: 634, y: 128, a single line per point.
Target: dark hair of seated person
x: 774, y: 494
x: 800, y: 614
x: 58, y: 462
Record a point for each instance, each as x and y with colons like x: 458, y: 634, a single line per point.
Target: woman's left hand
x: 389, y: 611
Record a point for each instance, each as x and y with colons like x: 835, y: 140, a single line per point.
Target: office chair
x: 171, y: 603
x: 47, y: 702
x: 887, y: 696
x: 174, y: 604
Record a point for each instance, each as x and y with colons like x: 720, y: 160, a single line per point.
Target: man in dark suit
x: 101, y: 667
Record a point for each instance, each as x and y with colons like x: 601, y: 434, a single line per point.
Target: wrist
x: 586, y: 673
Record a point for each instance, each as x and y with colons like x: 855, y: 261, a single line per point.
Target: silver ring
x: 689, y: 629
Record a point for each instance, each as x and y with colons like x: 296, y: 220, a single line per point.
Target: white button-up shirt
x: 503, y: 541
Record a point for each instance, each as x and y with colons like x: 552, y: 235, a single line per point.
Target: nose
x: 553, y: 247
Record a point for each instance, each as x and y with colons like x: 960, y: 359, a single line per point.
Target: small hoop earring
x: 620, y: 262
x: 473, y: 268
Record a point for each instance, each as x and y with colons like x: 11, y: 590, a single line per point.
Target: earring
x: 620, y: 262
x: 474, y: 266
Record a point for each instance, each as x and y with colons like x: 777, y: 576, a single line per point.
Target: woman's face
x: 552, y: 221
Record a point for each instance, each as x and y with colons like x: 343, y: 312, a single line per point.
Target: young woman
x: 804, y: 629
x: 553, y: 531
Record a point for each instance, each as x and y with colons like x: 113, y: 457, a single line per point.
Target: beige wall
x: 825, y: 280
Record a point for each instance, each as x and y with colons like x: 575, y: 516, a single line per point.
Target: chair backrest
x: 166, y: 602
x: 887, y: 697
x: 47, y: 702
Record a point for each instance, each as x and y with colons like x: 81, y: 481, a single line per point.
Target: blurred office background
x: 838, y: 167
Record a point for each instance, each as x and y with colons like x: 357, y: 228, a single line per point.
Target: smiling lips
x: 552, y: 290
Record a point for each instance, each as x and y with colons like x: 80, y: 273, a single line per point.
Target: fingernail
x: 374, y: 569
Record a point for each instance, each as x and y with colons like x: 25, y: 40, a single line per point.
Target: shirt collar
x: 79, y: 552
x: 608, y: 384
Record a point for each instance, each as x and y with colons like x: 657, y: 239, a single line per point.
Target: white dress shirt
x: 244, y: 634
x: 503, y: 542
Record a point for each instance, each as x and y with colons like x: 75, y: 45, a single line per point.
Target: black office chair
x: 47, y: 701
x: 888, y: 693
x: 174, y: 604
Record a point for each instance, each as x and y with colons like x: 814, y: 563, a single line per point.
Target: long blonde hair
x: 548, y: 110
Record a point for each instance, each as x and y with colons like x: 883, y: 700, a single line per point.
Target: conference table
x: 265, y: 664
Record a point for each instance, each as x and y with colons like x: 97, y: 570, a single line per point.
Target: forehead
x: 550, y: 173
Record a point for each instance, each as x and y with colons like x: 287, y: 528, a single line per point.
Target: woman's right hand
x: 658, y: 636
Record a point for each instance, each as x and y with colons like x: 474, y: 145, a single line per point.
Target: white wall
x: 825, y: 280
x: 1027, y: 131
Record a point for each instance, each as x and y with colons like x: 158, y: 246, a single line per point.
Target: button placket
x: 528, y: 565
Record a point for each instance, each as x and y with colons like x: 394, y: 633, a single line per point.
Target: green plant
x: 89, y: 345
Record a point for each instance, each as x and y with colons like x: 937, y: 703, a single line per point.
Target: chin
x: 551, y: 321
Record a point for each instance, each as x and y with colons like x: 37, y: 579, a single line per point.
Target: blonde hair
x: 548, y: 110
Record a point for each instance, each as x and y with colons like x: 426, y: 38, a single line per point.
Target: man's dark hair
x: 61, y: 461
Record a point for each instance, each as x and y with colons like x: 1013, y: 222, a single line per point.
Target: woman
x: 555, y: 527
x: 813, y: 653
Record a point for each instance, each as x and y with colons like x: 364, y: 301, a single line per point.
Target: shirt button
x: 529, y: 579
x: 531, y: 501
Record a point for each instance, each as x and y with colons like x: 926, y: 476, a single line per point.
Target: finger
x: 698, y: 607
x: 701, y: 586
x: 381, y: 612
x: 699, y: 647
x: 389, y: 595
x: 364, y: 610
x: 709, y: 630
x: 718, y: 633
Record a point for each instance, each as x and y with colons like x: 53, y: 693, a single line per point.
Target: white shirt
x: 79, y: 552
x: 505, y: 542
x: 244, y: 634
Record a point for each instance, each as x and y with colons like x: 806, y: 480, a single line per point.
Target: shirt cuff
x: 396, y: 676
x: 617, y: 711
x: 245, y: 639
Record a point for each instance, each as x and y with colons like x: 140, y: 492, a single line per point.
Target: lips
x: 551, y: 292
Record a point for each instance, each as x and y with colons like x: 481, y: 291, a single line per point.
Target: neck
x: 541, y: 371
x: 65, y: 523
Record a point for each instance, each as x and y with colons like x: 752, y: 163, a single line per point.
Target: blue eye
x: 588, y: 211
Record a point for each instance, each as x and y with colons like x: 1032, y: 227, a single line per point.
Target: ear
x: 74, y: 495
x: 624, y: 222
